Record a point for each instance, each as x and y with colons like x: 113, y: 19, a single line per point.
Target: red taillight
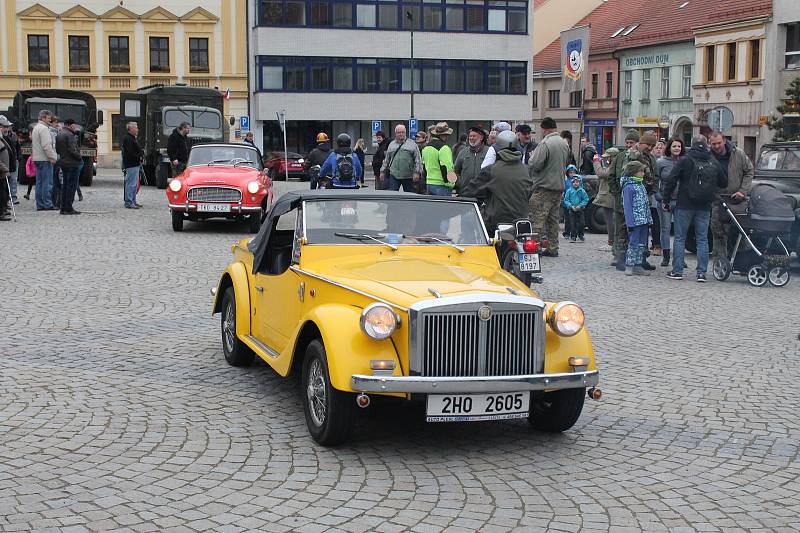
x: 530, y: 246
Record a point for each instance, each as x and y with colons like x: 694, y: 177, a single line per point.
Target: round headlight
x: 567, y: 319
x: 379, y: 321
x: 175, y: 185
x: 252, y: 187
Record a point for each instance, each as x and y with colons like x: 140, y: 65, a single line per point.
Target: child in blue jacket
x: 636, y: 204
x: 575, y: 202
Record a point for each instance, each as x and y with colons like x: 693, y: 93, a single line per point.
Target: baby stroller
x: 760, y: 223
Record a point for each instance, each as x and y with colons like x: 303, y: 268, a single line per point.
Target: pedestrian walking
x: 178, y: 148
x: 739, y: 169
x: 636, y: 203
x: 69, y: 160
x: 467, y: 165
x: 317, y: 157
x: 504, y: 186
x: 44, y: 156
x: 496, y: 130
x: 525, y: 145
x: 437, y: 157
x: 402, y: 165
x: 361, y: 153
x: 378, y: 157
x: 588, y: 151
x: 677, y: 151
x: 546, y: 167
x: 132, y: 155
x: 14, y: 151
x: 575, y: 202
x: 699, y: 178
x: 604, y: 201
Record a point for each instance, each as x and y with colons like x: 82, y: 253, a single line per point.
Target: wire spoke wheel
x: 757, y: 276
x: 316, y: 393
x: 229, y: 326
x: 778, y: 276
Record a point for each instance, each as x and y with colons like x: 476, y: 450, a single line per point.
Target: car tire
x: 87, y: 175
x: 595, y: 220
x: 177, y: 221
x: 330, y: 414
x: 162, y: 176
x: 509, y: 265
x: 236, y: 352
x: 557, y: 411
x: 254, y: 222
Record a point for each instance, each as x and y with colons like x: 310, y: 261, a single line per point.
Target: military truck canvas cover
x: 60, y: 96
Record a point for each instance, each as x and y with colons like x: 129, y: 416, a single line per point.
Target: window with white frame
x: 627, y: 85
x: 686, y: 91
x: 646, y: 84
x: 665, y: 83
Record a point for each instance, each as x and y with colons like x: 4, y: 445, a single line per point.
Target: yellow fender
x: 237, y: 272
x: 559, y: 349
x: 348, y: 348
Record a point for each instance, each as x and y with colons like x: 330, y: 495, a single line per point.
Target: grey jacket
x: 5, y: 152
x: 410, y: 146
x: 548, y: 163
x: 740, y: 171
x: 468, y: 165
x: 603, y: 198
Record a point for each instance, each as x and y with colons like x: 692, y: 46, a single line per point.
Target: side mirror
x: 100, y: 117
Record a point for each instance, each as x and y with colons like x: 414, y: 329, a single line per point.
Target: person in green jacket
x: 437, y: 158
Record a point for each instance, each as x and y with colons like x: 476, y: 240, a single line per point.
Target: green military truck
x: 64, y: 103
x: 158, y: 110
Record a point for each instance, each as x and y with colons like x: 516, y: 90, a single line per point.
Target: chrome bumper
x: 235, y: 209
x: 480, y: 384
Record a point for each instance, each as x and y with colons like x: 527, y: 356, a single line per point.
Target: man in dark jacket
x: 588, y: 151
x: 317, y: 156
x: 132, y: 155
x: 10, y: 137
x: 694, y: 202
x: 504, y: 186
x: 5, y: 152
x: 178, y: 148
x: 69, y: 159
x: 377, y: 159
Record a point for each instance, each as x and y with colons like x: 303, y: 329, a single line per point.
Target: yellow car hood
x: 403, y: 280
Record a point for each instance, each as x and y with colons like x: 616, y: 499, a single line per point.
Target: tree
x: 787, y: 128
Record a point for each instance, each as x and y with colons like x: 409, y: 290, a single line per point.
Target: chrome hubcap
x: 316, y: 393
x: 229, y: 327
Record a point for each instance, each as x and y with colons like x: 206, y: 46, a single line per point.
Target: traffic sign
x: 376, y: 127
x: 244, y: 123
x: 412, y: 128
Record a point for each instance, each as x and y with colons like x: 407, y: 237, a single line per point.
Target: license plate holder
x: 213, y: 208
x: 529, y: 263
x: 477, y: 407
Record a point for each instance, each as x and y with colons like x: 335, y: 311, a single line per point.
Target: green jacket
x: 437, y: 158
x: 505, y: 187
x: 652, y: 175
x: 468, y: 165
x: 548, y: 163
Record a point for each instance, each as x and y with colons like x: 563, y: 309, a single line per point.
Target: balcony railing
x: 80, y: 83
x: 40, y: 82
x: 200, y: 82
x: 119, y: 83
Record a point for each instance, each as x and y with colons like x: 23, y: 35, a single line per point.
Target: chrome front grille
x: 214, y: 194
x: 458, y: 343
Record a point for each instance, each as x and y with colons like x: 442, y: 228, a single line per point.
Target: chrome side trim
x: 468, y: 385
x: 261, y: 346
x: 348, y: 288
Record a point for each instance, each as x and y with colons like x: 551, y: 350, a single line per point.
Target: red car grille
x: 214, y: 194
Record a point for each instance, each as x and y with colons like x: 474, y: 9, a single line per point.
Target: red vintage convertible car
x: 221, y: 180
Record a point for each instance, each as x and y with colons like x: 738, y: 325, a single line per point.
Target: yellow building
x: 107, y: 46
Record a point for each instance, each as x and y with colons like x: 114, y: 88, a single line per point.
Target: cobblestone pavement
x: 118, y: 412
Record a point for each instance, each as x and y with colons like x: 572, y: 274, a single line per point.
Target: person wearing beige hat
x: 437, y: 159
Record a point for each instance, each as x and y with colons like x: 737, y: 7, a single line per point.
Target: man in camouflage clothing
x: 632, y: 152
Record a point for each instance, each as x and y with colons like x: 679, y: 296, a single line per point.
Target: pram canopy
x: 769, y: 210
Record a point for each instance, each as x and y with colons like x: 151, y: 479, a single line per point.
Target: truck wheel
x: 149, y: 177
x: 177, y: 221
x: 87, y: 173
x: 557, y: 411
x: 236, y: 352
x: 330, y: 413
x: 162, y: 176
x: 595, y: 220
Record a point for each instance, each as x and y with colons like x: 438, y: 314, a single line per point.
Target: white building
x: 338, y: 67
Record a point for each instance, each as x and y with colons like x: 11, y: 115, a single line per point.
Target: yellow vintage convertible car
x: 395, y: 294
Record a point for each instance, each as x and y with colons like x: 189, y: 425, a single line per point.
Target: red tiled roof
x: 664, y: 23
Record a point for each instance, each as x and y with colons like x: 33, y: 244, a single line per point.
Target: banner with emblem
x: 574, y: 58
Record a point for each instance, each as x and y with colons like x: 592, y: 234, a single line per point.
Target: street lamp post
x: 410, y: 18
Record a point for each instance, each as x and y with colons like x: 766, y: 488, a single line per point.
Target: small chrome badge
x: 484, y: 312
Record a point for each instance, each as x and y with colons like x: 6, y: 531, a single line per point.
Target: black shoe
x: 73, y: 212
x: 674, y: 275
x: 80, y: 196
x: 4, y: 218
x: 620, y: 262
x: 548, y: 253
x: 647, y: 266
x: 26, y: 196
x: 581, y: 238
x: 701, y: 278
x: 664, y: 258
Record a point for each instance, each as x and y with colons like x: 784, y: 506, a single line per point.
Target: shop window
x: 78, y: 53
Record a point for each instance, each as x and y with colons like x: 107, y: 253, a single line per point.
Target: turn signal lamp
x: 382, y: 364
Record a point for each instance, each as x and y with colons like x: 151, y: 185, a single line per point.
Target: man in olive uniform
x: 632, y: 153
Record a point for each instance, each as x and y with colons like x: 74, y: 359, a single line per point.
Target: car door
x: 277, y: 295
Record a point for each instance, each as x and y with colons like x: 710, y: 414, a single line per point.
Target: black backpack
x: 702, y: 185
x: 344, y: 167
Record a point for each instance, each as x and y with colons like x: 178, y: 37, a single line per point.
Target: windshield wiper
x: 362, y: 236
x: 215, y: 161
x: 239, y: 160
x: 429, y: 238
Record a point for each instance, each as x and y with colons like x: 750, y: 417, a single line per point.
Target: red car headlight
x: 253, y: 187
x: 175, y: 185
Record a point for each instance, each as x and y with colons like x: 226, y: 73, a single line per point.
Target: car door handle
x: 259, y: 289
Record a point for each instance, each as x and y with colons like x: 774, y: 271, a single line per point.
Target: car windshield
x: 780, y: 159
x: 204, y: 118
x: 224, y: 155
x: 393, y: 222
x: 76, y: 112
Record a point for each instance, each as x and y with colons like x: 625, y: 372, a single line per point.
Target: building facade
x: 730, y: 86
x: 551, y: 101
x: 104, y: 48
x: 342, y: 66
x: 782, y: 60
x: 600, y: 110
x: 655, y: 89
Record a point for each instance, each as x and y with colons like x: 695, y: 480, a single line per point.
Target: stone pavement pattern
x: 118, y: 412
